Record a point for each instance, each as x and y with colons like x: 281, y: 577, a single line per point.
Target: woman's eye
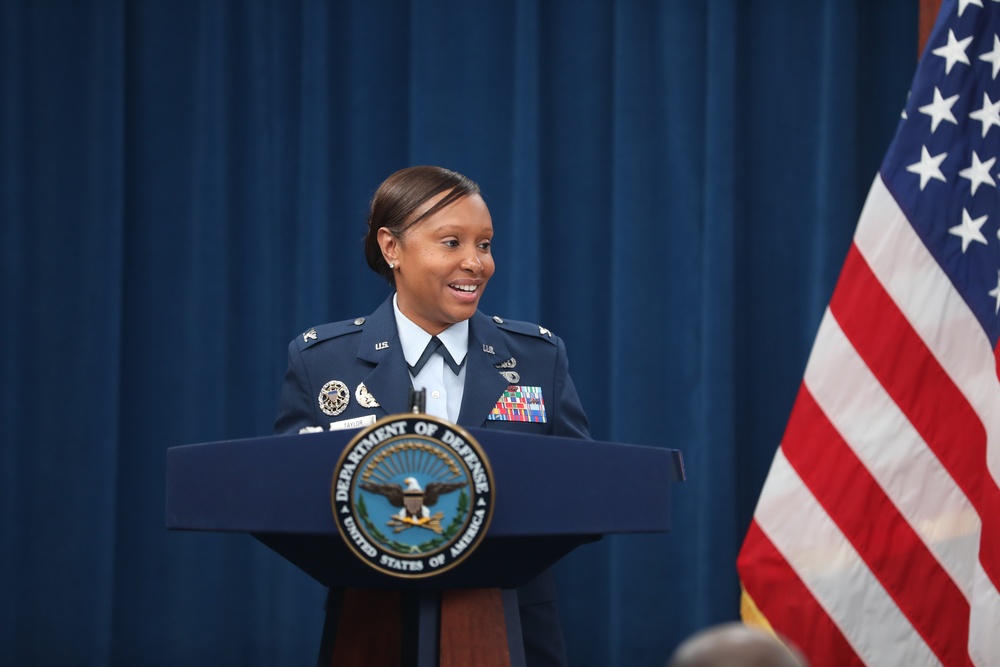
x: 451, y: 243
x: 486, y: 245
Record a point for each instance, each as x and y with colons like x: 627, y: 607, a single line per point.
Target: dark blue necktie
x: 435, y: 345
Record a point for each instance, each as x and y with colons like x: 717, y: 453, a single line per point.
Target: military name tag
x: 412, y: 495
x: 519, y: 403
x: 357, y: 422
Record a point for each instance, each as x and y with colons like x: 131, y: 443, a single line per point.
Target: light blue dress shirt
x: 444, y: 388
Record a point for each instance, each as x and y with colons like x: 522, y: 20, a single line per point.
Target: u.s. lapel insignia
x: 488, y: 349
x: 511, y: 376
x: 334, y: 397
x: 309, y: 335
x: 364, y: 397
x: 384, y: 345
x: 503, y: 365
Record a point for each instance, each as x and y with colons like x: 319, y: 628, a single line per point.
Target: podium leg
x: 473, y: 629
x: 362, y: 627
x: 454, y: 628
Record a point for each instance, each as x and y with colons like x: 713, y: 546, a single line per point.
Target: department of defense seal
x: 412, y: 495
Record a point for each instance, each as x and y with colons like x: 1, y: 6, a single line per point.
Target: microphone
x: 418, y: 400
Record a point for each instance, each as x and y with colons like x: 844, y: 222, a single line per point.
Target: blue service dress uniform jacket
x: 367, y: 351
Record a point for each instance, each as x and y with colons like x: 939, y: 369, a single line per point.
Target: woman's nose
x: 472, y: 262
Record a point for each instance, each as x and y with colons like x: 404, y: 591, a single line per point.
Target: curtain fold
x: 183, y: 189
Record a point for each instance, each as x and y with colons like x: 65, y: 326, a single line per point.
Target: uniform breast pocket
x: 529, y: 428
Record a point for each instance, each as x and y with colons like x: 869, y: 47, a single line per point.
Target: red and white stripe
x: 876, y: 540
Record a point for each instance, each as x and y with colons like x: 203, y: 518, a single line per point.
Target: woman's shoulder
x: 522, y: 328
x: 328, y: 331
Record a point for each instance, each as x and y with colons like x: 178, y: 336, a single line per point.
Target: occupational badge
x: 511, y: 376
x: 334, y: 397
x: 364, y: 397
x: 510, y: 363
x: 412, y: 495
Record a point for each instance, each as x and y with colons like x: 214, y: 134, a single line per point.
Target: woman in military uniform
x: 429, y: 235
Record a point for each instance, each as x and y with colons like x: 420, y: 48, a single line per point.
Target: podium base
x: 391, y: 628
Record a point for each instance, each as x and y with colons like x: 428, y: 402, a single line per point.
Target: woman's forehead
x: 469, y: 211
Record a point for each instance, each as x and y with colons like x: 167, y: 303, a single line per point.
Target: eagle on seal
x: 412, y: 500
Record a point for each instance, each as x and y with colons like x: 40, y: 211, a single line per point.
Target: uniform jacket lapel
x: 389, y: 381
x: 483, y: 383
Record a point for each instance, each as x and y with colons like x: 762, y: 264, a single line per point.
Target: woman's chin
x: 460, y: 312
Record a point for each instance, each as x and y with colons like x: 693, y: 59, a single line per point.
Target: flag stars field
x: 960, y: 119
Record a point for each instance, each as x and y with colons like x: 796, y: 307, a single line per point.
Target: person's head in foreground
x: 734, y: 645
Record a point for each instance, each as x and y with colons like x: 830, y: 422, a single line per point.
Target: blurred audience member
x: 735, y: 645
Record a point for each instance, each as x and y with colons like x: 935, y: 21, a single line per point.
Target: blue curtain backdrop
x: 183, y: 184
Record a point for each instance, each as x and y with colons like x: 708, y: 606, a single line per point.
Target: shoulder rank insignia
x: 309, y: 335
x: 545, y: 332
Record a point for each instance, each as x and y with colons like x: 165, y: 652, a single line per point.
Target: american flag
x: 876, y: 539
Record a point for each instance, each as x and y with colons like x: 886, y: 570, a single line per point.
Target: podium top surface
x: 545, y: 485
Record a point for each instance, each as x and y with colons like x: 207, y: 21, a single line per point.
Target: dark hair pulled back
x: 400, y: 196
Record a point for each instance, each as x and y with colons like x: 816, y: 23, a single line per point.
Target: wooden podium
x: 552, y: 495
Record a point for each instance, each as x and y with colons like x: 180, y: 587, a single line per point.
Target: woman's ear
x: 389, y: 245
